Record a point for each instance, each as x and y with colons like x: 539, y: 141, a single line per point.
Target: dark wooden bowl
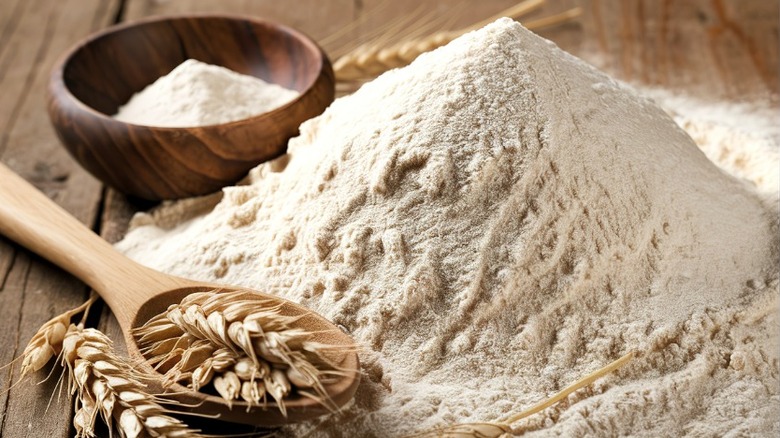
x: 102, y: 72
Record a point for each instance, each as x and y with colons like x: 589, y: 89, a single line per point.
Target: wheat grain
x: 241, y: 345
x: 369, y: 60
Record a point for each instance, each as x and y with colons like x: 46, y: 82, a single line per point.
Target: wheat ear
x: 370, y: 60
x: 503, y: 429
x: 242, y: 345
x: 107, y: 386
x: 47, y: 341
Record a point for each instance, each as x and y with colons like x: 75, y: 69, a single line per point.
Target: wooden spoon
x: 135, y: 293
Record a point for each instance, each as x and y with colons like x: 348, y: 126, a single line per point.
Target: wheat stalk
x: 413, y: 24
x: 376, y: 56
x: 503, y: 429
x: 241, y: 345
x: 47, y: 341
x: 107, y: 386
x: 371, y: 59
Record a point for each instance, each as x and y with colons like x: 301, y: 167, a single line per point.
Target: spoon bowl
x: 298, y: 408
x: 136, y: 293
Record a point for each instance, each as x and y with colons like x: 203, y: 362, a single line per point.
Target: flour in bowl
x: 494, y: 222
x: 199, y: 94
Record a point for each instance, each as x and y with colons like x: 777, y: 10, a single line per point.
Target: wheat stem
x: 517, y: 11
x: 371, y: 59
x: 378, y: 34
x: 554, y: 20
x: 579, y: 384
x: 503, y: 428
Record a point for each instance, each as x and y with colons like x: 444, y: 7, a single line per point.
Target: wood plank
x: 443, y: 14
x: 719, y: 49
x: 8, y: 22
x: 35, y: 292
x: 701, y: 46
x: 316, y: 18
x: 35, y: 34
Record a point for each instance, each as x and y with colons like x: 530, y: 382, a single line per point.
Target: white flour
x: 496, y: 221
x: 742, y: 138
x: 199, y: 94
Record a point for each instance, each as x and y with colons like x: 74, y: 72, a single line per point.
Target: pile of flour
x: 199, y: 94
x: 496, y: 221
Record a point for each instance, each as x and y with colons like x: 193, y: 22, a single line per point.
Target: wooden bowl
x: 102, y: 72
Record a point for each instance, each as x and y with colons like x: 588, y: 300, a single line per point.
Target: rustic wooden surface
x: 720, y: 49
x: 33, y: 34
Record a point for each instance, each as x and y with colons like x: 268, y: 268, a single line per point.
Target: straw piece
x: 503, y: 429
x: 376, y: 57
x: 554, y: 20
x: 583, y: 382
x: 519, y: 10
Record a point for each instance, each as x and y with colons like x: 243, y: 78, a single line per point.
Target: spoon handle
x: 34, y: 221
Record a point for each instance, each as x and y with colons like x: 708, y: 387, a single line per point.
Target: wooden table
x: 722, y: 49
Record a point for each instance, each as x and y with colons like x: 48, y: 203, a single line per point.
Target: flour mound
x: 198, y: 94
x: 492, y: 223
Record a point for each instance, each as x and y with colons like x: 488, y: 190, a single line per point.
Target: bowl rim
x: 57, y: 80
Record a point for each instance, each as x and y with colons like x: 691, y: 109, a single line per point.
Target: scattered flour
x: 199, y: 94
x: 499, y: 219
x: 741, y: 138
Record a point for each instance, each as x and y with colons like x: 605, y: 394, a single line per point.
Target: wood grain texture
x: 315, y: 18
x: 709, y: 48
x: 716, y: 49
x: 169, y: 163
x: 31, y: 219
x: 33, y: 34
